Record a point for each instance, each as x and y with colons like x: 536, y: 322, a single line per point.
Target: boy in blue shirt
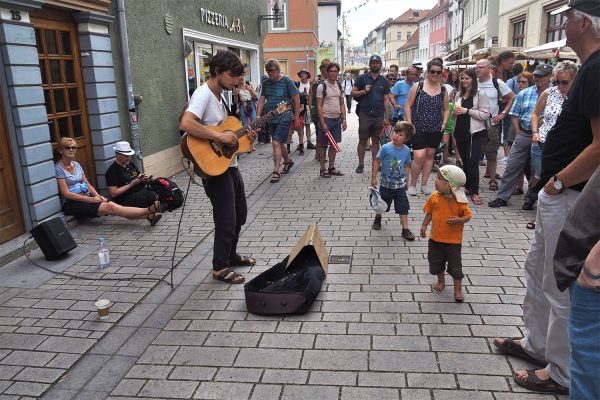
x: 394, y: 160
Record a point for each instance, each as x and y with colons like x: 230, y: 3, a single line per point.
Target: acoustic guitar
x: 211, y: 158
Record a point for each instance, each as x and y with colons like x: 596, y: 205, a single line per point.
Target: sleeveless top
x: 553, y: 107
x: 426, y: 113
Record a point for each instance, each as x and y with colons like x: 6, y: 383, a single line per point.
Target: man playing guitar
x: 225, y: 191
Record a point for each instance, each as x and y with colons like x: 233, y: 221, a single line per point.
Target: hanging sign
x: 221, y: 21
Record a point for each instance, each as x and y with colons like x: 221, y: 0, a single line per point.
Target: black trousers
x: 228, y: 198
x: 470, y: 152
x: 349, y: 101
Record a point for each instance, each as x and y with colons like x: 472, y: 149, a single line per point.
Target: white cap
x: 376, y: 202
x: 456, y: 178
x: 123, y: 147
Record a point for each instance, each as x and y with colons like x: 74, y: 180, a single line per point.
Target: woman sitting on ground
x: 79, y: 198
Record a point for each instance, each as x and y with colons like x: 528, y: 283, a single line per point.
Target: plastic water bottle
x: 103, y: 255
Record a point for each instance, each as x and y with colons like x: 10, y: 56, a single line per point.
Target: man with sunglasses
x: 519, y: 154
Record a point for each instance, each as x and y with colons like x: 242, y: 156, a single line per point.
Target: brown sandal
x: 335, y: 172
x: 287, y: 166
x: 325, y: 174
x: 275, y: 177
x: 154, y: 214
x: 534, y: 383
x: 242, y: 261
x: 228, y: 276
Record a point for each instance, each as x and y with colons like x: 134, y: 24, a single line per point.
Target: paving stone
x: 262, y: 392
x: 20, y: 342
x: 222, y: 390
x: 415, y: 394
x: 342, y: 360
x: 168, y: 389
x: 268, y: 358
x: 186, y: 338
x: 206, y: 356
x: 158, y: 354
x: 381, y: 379
x: 459, y: 344
x: 343, y: 342
x: 232, y: 339
x: 463, y: 394
x: 193, y: 373
x: 239, y: 375
x: 477, y: 382
x: 150, y: 372
x: 285, y: 376
x: 354, y: 393
x: 481, y: 364
x: 128, y: 387
x: 27, y: 358
x: 27, y: 389
x: 66, y: 345
x: 111, y: 372
x: 294, y: 341
x: 417, y: 343
x: 332, y: 378
x: 433, y: 381
x: 403, y: 361
x: 295, y: 392
x: 42, y: 375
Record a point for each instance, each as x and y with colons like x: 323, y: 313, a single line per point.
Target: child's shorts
x: 401, y: 205
x: 439, y: 254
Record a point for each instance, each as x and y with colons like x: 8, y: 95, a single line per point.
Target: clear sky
x: 360, y: 22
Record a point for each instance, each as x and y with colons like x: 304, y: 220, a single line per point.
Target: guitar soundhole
x: 229, y: 151
x: 215, y: 148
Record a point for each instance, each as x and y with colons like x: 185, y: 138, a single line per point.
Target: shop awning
x: 548, y: 46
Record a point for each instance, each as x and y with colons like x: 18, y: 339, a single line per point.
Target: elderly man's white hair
x: 579, y: 15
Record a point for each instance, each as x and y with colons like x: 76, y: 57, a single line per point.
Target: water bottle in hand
x: 103, y: 255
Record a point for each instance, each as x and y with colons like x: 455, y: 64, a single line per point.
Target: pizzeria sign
x: 220, y: 20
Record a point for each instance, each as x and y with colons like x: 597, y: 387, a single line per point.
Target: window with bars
x: 555, y: 27
x: 518, y: 28
x: 61, y: 83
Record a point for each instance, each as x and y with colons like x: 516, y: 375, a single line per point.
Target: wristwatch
x: 558, y: 185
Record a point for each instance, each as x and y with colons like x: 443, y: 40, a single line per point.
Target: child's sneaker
x: 407, y: 234
x: 377, y: 223
x: 425, y: 189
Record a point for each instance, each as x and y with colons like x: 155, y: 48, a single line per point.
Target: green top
x: 450, y: 124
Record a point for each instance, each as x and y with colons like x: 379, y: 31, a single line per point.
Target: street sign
x: 311, y: 58
x: 300, y: 61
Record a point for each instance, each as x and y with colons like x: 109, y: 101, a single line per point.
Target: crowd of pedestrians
x: 547, y: 119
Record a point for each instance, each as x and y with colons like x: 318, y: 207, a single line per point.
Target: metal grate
x: 340, y: 259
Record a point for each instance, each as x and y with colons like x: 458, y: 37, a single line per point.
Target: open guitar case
x: 291, y: 286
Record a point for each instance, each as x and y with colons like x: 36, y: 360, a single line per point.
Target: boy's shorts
x: 401, y: 204
x: 438, y: 254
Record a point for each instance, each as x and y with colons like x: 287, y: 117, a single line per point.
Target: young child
x: 447, y: 210
x: 394, y: 160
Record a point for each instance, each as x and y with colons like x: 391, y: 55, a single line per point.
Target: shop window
x: 281, y: 23
x: 518, y: 28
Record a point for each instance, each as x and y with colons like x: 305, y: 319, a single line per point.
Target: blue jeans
x: 584, y: 328
x: 251, y: 115
x: 536, y: 158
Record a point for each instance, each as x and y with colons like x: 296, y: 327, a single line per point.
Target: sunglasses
x: 557, y: 82
x: 70, y: 148
x: 435, y: 72
x: 523, y: 82
x: 272, y: 69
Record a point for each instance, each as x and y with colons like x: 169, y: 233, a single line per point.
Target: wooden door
x: 56, y: 39
x: 11, y: 218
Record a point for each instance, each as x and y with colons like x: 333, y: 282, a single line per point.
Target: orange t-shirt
x: 441, y: 207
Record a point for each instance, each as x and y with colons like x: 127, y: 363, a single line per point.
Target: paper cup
x: 103, y: 307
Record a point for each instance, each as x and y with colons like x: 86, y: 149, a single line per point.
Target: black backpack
x: 168, y: 192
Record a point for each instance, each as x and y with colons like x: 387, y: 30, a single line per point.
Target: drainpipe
x: 134, y: 128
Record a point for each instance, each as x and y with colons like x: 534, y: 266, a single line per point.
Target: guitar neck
x: 257, y: 123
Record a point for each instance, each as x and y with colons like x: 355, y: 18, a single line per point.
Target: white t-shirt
x: 209, y: 110
x: 304, y: 86
x: 492, y: 94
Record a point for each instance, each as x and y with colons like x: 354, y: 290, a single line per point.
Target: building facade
x: 400, y: 31
x: 294, y: 41
x: 438, y: 32
x: 480, y: 22
x: 409, y: 52
x: 424, y: 29
x: 64, y: 76
x: 329, y: 34
x: 527, y: 23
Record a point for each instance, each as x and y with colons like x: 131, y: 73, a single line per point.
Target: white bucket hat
x: 456, y: 178
x: 123, y: 147
x: 376, y: 202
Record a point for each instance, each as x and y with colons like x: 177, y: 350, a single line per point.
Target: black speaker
x: 54, y: 238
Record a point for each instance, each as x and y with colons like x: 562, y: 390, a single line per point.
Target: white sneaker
x: 426, y: 190
x: 412, y: 191
x: 504, y: 160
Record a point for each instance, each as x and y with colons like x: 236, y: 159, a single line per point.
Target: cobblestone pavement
x: 376, y: 330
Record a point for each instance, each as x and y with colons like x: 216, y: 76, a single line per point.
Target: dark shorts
x: 280, y: 131
x: 142, y: 199
x: 439, y: 254
x: 369, y: 126
x: 335, y: 128
x: 426, y: 140
x: 81, y: 208
x: 401, y: 204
